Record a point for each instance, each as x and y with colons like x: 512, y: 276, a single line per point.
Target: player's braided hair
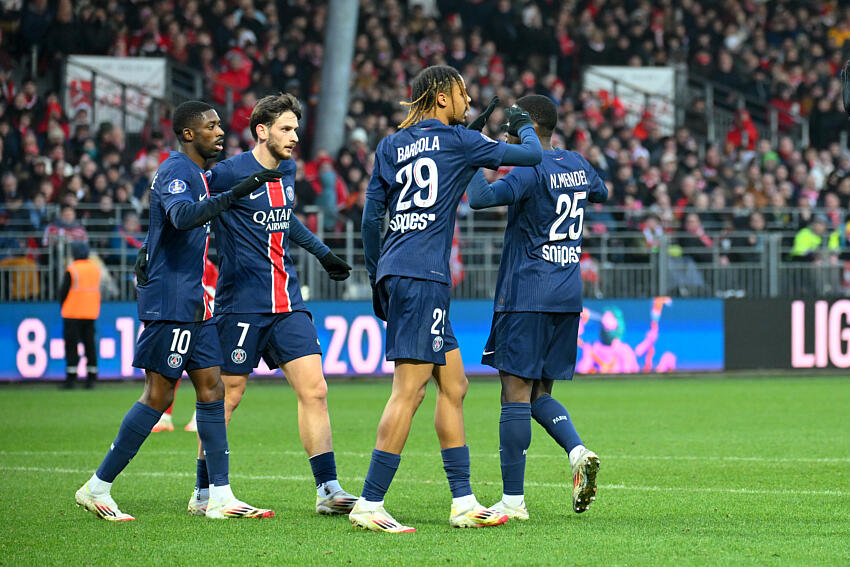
x: 426, y: 85
x: 542, y: 111
x: 269, y: 108
x: 187, y: 114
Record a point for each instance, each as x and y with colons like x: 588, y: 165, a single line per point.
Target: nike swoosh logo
x: 485, y: 353
x: 253, y: 196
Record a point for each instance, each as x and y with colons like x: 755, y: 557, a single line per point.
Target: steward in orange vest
x: 80, y: 297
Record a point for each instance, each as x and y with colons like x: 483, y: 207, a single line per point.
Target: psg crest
x: 290, y: 193
x: 438, y: 344
x: 174, y: 360
x: 238, y: 356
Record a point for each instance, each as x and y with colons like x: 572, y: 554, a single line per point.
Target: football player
x: 179, y: 333
x: 534, y: 334
x: 259, y: 309
x: 420, y: 174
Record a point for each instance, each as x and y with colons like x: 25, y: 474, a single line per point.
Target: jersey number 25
x: 567, y: 207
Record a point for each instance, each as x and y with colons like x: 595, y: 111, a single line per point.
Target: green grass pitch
x: 703, y: 472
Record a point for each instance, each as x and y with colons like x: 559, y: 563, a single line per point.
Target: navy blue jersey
x: 176, y: 258
x: 420, y: 174
x: 256, y: 273
x: 539, y: 270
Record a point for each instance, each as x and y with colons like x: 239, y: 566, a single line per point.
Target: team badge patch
x: 174, y: 360
x: 177, y: 186
x: 437, y: 344
x: 290, y: 193
x: 238, y: 356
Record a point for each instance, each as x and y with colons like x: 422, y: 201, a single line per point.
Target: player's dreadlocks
x: 426, y: 85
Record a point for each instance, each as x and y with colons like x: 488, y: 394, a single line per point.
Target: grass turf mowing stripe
x: 296, y: 478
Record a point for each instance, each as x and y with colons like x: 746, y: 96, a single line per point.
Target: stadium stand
x: 715, y: 208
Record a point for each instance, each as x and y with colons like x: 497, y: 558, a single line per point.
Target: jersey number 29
x: 564, y: 208
x: 416, y: 171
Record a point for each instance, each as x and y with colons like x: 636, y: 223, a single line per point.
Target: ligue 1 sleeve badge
x: 177, y: 186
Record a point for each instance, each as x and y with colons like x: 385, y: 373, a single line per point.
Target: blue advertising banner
x: 616, y: 336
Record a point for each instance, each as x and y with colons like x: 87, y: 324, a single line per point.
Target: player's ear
x: 188, y: 134
x: 261, y: 132
x: 443, y: 99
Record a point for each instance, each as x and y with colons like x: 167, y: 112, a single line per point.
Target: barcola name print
x: 421, y: 145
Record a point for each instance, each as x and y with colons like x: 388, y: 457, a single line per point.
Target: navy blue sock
x: 135, y: 428
x: 514, y: 439
x: 324, y: 467
x: 382, y: 469
x: 556, y: 421
x: 456, y: 465
x: 213, y: 433
x: 203, y: 479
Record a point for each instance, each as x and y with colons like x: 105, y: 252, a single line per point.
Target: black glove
x: 337, y: 268
x: 376, y: 305
x: 845, y: 86
x: 255, y: 181
x: 141, y: 267
x: 481, y: 119
x: 517, y: 118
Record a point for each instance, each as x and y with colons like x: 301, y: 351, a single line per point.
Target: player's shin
x: 135, y: 428
x: 555, y: 419
x: 213, y: 433
x: 514, y: 439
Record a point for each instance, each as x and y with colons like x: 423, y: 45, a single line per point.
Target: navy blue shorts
x: 170, y: 347
x: 533, y: 345
x: 276, y: 337
x: 418, y: 326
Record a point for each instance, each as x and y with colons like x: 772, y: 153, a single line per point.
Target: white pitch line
x: 607, y: 457
x: 756, y: 491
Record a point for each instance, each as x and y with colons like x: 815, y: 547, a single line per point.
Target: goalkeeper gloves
x: 481, y: 119
x: 845, y: 87
x: 141, y: 267
x: 255, y: 181
x: 517, y: 118
x: 337, y: 268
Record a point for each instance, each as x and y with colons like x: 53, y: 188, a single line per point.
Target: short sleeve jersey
x: 539, y: 270
x: 256, y: 272
x: 176, y: 258
x: 421, y: 173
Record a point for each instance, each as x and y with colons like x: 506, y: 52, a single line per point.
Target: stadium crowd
x: 786, y: 54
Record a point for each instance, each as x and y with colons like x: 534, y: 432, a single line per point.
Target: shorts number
x: 415, y: 172
x: 564, y: 208
x: 439, y: 320
x: 180, y: 342
x: 245, y: 327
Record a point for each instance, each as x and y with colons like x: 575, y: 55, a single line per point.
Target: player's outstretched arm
x: 529, y: 152
x: 185, y: 215
x: 482, y: 195
x: 337, y: 268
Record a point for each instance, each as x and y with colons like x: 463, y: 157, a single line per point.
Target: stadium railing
x: 615, y: 263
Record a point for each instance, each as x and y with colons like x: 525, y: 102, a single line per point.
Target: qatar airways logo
x: 831, y: 331
x: 274, y: 220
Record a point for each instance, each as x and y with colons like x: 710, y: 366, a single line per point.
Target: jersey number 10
x: 415, y: 171
x: 564, y: 208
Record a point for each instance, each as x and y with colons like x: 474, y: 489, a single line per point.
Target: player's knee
x: 232, y: 398
x: 157, y: 398
x: 210, y: 392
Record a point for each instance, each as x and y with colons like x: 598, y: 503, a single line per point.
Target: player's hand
x: 337, y: 268
x: 845, y: 86
x: 517, y: 118
x: 255, y: 181
x: 481, y: 119
x: 376, y: 305
x: 141, y: 267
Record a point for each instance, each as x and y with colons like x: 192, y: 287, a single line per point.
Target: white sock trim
x: 576, y: 453
x: 97, y: 486
x: 368, y: 506
x: 220, y: 494
x: 464, y: 502
x: 513, y: 500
